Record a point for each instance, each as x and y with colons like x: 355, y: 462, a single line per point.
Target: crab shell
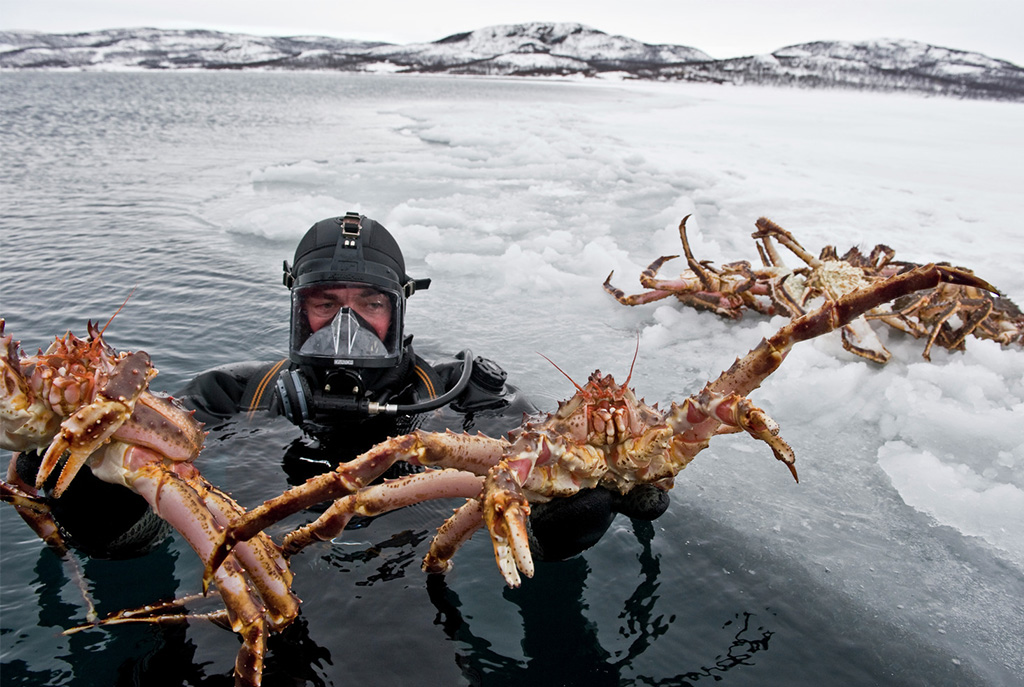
x: 87, y: 405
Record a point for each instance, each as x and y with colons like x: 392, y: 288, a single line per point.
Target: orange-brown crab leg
x: 723, y: 402
x: 267, y: 567
x: 199, y: 512
x: 766, y: 229
x: 703, y: 273
x: 504, y: 510
x: 661, y: 288
x: 455, y: 532
x: 472, y: 454
x: 383, y: 498
x: 31, y: 507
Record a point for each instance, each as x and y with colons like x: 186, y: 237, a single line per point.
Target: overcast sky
x: 727, y: 28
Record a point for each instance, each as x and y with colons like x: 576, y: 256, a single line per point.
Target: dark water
x: 114, y: 182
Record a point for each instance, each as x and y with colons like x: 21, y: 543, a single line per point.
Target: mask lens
x: 346, y: 323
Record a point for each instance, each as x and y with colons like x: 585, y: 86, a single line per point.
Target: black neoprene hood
x: 351, y: 248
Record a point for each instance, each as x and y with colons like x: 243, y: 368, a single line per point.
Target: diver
x: 352, y: 378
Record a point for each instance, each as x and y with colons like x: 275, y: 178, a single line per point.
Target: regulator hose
x: 299, y: 402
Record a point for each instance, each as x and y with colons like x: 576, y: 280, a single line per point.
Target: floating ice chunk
x: 957, y: 496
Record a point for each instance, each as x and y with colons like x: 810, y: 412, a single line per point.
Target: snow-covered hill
x: 535, y: 49
x: 118, y: 49
x: 875, y: 65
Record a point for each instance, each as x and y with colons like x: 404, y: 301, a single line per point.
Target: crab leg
x: 384, y: 498
x: 164, y: 427
x: 31, y: 507
x: 859, y: 338
x: 245, y: 610
x: 163, y: 612
x: 702, y: 272
x: 766, y: 229
x: 259, y: 554
x: 473, y: 454
x: 22, y: 500
x: 246, y: 618
x: 198, y: 511
x: 701, y: 417
x: 455, y: 532
x: 769, y: 255
x: 152, y: 615
x: 662, y: 288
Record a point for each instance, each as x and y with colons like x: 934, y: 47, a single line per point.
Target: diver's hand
x: 643, y: 502
x: 562, y: 528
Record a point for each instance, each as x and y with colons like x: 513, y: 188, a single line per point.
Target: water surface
x: 187, y: 190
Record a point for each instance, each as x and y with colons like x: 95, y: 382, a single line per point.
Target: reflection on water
x: 366, y: 601
x: 294, y: 653
x: 560, y: 643
x: 387, y: 560
x: 137, y: 655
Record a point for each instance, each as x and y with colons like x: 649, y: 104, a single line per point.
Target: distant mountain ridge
x: 534, y: 49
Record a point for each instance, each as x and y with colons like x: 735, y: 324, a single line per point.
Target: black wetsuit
x: 559, y: 529
x: 488, y: 404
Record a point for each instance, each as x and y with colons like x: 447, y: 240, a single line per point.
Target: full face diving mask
x: 341, y: 351
x: 342, y: 331
x: 346, y: 324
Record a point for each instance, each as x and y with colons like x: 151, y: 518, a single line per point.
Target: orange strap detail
x: 427, y: 382
x: 264, y: 383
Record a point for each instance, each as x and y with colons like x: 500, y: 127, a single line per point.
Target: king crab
x: 944, y: 315
x: 86, y: 405
x: 602, y: 436
x: 728, y: 291
x: 947, y: 314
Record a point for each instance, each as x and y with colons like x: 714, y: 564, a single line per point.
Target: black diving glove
x: 562, y: 528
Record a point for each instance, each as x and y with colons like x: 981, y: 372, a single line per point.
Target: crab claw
x: 506, y: 512
x: 739, y: 411
x: 93, y: 425
x: 80, y: 436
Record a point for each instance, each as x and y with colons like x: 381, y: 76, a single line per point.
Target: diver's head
x: 349, y: 290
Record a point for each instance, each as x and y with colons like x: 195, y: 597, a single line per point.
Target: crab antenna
x: 578, y: 387
x: 119, y: 309
x: 635, y: 354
